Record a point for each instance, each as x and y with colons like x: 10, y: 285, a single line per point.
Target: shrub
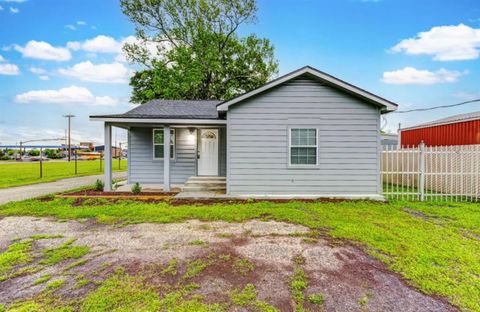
x: 34, y: 152
x: 99, y: 185
x: 136, y: 188
x: 5, y: 157
x: 54, y: 154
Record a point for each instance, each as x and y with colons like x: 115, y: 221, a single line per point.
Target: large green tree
x: 190, y: 49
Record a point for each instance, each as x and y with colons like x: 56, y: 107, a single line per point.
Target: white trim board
x: 160, y: 121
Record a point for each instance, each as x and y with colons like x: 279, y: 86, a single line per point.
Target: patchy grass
x: 63, y: 252
x: 194, y: 268
x: 56, y: 284
x: 45, y: 236
x: 171, y: 268
x: 24, y: 173
x: 42, y: 279
x: 298, y: 284
x: 16, y: 254
x: 243, y: 266
x: 247, y: 297
x: 317, y: 299
x: 198, y: 242
x: 76, y: 264
x: 122, y: 292
x: 437, y: 254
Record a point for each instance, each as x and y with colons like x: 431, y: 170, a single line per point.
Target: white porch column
x: 166, y: 158
x: 107, y: 156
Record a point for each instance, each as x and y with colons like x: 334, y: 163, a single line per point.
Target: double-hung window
x: 303, y: 147
x: 158, y: 143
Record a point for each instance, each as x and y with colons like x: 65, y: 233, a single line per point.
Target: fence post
x: 75, y: 161
x: 422, y: 170
x: 41, y: 163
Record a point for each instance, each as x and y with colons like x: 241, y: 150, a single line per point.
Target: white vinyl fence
x: 442, y: 173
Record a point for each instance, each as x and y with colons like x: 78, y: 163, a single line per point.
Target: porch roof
x: 167, y: 110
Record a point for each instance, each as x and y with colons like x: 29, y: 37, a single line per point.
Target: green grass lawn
x: 24, y: 173
x: 434, y: 246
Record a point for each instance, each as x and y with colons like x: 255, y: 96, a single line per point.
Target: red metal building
x: 461, y: 129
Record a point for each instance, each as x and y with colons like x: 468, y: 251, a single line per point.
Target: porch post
x: 166, y: 158
x: 107, y: 158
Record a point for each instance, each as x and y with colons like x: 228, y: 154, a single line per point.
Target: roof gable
x: 385, y: 105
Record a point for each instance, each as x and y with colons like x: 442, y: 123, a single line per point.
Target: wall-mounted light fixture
x: 191, y: 136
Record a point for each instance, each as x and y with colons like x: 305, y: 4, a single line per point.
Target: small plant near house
x: 136, y: 188
x: 99, y: 185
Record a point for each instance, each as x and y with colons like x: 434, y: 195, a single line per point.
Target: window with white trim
x: 303, y: 146
x: 158, y: 143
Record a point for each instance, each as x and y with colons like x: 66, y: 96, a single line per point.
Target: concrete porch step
x: 207, y: 178
x: 204, y: 188
x: 205, y: 184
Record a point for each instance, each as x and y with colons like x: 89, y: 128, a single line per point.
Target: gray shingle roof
x: 448, y: 120
x: 173, y: 109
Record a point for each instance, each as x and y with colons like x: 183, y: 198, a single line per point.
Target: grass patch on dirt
x: 24, y: 173
x: 122, y: 293
x: 247, y: 297
x: 42, y: 279
x: 436, y: 254
x: 63, y: 252
x: 16, y: 254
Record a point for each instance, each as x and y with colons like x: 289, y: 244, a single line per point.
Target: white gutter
x: 160, y: 121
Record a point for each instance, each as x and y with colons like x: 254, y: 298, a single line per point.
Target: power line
x: 436, y: 107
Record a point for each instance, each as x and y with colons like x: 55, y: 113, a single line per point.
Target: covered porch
x: 195, y: 157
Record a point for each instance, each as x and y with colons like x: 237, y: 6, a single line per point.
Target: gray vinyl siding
x: 147, y: 170
x: 348, y: 138
x: 143, y: 168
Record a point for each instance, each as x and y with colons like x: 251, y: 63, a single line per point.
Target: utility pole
x: 69, y: 117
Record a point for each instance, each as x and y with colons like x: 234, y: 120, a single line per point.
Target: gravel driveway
x: 347, y: 278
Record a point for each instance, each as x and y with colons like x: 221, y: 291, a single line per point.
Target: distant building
x: 389, y: 139
x: 116, y: 151
x: 461, y: 129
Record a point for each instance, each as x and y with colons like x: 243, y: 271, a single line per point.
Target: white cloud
x: 410, y: 75
x: 14, y: 10
x: 103, y: 73
x: 71, y: 27
x: 444, y: 43
x: 9, y: 69
x: 106, y: 44
x: 468, y: 96
x: 81, y: 23
x: 37, y: 70
x: 69, y: 95
x: 1, y: 8
x: 44, y: 77
x: 2, y: 59
x: 43, y: 51
x: 101, y: 44
x: 15, y: 1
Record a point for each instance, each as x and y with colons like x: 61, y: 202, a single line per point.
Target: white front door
x: 208, y: 152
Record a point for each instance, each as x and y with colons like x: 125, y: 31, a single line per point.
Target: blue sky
x: 61, y: 57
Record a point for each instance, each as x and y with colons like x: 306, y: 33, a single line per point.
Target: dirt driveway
x: 266, y: 254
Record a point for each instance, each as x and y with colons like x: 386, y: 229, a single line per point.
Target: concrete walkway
x: 31, y: 191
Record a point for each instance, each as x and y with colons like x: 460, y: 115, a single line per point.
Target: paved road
x: 40, y: 189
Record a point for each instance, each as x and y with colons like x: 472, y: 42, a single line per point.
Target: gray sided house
x: 305, y: 134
